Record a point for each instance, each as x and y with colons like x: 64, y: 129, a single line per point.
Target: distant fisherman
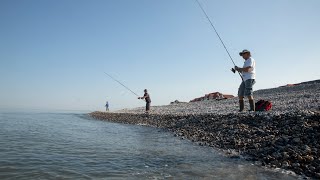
x: 249, y: 75
x: 147, y: 98
x: 107, y: 106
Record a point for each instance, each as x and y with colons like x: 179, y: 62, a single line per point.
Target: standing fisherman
x: 249, y: 75
x: 146, y: 96
x: 107, y: 106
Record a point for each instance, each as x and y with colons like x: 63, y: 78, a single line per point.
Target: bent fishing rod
x: 121, y: 84
x: 215, y: 30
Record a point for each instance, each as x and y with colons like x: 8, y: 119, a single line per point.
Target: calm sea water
x: 74, y: 146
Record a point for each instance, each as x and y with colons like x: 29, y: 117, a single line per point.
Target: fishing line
x: 121, y: 84
x: 215, y: 30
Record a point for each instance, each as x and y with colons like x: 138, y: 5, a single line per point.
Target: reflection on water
x: 53, y: 146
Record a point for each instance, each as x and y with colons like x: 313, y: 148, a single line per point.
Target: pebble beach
x: 287, y: 137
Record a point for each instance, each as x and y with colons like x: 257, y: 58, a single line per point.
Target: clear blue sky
x: 53, y: 52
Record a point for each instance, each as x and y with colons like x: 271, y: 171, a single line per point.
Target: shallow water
x: 74, y: 146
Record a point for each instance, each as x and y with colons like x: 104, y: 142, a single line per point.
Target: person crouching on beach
x: 248, y: 73
x: 147, y: 98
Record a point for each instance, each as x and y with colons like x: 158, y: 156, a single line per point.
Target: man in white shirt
x: 248, y: 74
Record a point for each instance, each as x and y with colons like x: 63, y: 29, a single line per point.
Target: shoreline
x: 286, y: 137
x: 289, y: 141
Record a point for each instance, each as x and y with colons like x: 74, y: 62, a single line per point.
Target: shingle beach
x: 286, y: 137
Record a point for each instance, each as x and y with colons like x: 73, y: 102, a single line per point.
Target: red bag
x: 263, y: 105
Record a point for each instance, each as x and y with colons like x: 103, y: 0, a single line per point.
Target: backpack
x: 263, y: 105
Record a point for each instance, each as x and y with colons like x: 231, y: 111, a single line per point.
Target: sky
x: 54, y: 53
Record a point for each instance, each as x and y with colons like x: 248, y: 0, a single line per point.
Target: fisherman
x: 147, y: 98
x: 107, y: 106
x: 248, y: 73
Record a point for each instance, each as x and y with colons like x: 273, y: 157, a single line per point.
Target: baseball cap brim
x: 244, y: 52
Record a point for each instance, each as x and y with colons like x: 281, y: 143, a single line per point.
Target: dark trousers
x: 148, y: 106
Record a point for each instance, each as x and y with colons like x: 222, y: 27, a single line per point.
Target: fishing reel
x: 234, y: 69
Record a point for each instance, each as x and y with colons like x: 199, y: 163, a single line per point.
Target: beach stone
x: 312, y: 168
x: 285, y: 155
x: 308, y: 158
x: 296, y: 140
x: 295, y: 165
x: 285, y: 164
x: 307, y: 148
x: 300, y: 158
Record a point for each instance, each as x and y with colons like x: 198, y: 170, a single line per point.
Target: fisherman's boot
x: 241, y: 104
x: 252, y: 105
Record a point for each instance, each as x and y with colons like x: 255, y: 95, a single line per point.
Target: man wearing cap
x: 146, y: 96
x: 248, y: 74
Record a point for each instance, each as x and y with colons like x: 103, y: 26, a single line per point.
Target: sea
x: 40, y: 145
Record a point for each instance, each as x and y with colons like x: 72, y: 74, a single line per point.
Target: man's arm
x: 142, y: 97
x: 246, y: 69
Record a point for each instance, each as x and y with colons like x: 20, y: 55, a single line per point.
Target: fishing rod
x: 121, y: 84
x: 215, y: 30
